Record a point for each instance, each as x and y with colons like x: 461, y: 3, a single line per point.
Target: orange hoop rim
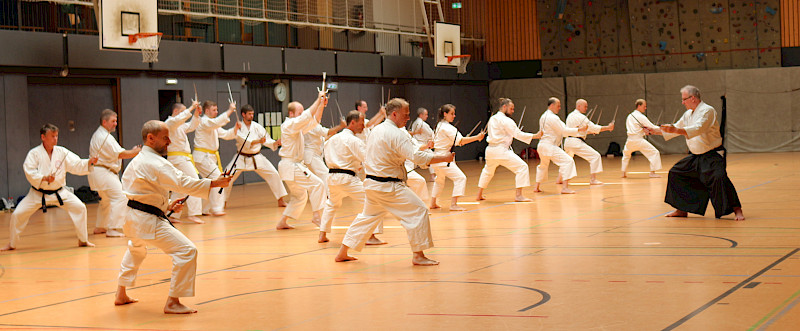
x: 451, y: 58
x: 134, y: 37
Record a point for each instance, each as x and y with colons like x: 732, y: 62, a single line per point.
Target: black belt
x: 152, y: 210
x: 255, y: 166
x: 49, y: 192
x: 342, y: 171
x: 581, y: 138
x: 384, y: 179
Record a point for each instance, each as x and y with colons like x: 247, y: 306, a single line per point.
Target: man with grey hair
x: 387, y: 149
x: 701, y: 176
x: 46, y: 168
x: 147, y: 181
x: 577, y: 145
x: 104, y: 177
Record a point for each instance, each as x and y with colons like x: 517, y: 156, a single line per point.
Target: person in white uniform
x: 635, y: 124
x: 250, y: 157
x: 146, y: 182
x: 553, y: 130
x: 314, y: 142
x: 446, y: 137
x: 179, y: 153
x: 302, y: 183
x: 577, y: 145
x: 502, y: 130
x: 206, y: 150
x: 422, y: 132
x: 46, y: 168
x: 387, y: 149
x: 701, y: 176
x: 104, y: 177
x: 344, y: 154
x: 414, y: 180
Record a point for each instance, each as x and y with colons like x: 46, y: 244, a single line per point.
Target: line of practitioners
x: 381, y: 155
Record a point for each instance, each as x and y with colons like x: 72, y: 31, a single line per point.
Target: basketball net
x: 462, y: 64
x: 148, y: 43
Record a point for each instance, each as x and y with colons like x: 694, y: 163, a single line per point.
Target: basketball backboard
x: 447, y: 41
x: 121, y: 18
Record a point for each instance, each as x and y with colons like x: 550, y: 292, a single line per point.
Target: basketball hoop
x: 462, y: 65
x: 148, y: 42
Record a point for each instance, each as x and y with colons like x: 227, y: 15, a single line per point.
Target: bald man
x: 577, y: 145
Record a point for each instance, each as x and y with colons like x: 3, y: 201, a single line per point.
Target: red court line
x: 475, y: 315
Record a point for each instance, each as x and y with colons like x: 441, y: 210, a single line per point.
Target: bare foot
x: 434, y: 206
x: 480, y: 197
x: 222, y: 213
x: 85, y: 244
x: 8, y: 248
x: 420, y: 259
x: 281, y: 203
x: 196, y: 219
x: 567, y: 191
x: 457, y: 208
x: 654, y: 175
x: 595, y: 182
x: 122, y: 297
x: 522, y: 198
x: 114, y: 233
x: 174, y: 220
x: 537, y: 189
x: 174, y: 306
x: 739, y: 214
x: 373, y: 240
x: 342, y: 256
x: 99, y: 230
x: 323, y: 237
x: 677, y: 213
x: 282, y: 225
x: 624, y: 175
x: 316, y: 221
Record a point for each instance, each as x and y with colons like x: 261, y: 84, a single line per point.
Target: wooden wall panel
x: 512, y: 32
x: 790, y: 23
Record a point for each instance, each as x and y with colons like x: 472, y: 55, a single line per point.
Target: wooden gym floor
x: 604, y: 258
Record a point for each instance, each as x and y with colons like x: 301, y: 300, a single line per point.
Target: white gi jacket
x: 178, y: 128
x: 148, y: 179
x: 38, y: 165
x: 502, y: 131
x: 388, y: 147
x: 425, y: 133
x: 291, y: 153
x: 701, y: 126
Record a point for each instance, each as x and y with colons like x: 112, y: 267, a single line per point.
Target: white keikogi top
x: 634, y: 122
x: 576, y: 119
x: 553, y: 129
x: 502, y: 131
x: 314, y: 140
x: 148, y: 179
x: 292, y: 131
x: 178, y: 128
x: 388, y: 148
x: 210, y: 130
x: 38, y: 165
x: 425, y: 133
x: 108, y: 156
x: 701, y: 126
x: 256, y: 133
x: 344, y: 151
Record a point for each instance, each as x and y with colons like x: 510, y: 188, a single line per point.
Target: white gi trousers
x: 194, y: 205
x: 397, y: 199
x: 647, y: 149
x: 547, y: 153
x: 317, y: 166
x: 415, y: 181
x: 503, y: 156
x: 110, y: 213
x: 206, y: 163
x: 575, y: 146
x: 264, y: 169
x: 33, y: 202
x: 443, y: 171
x: 173, y: 243
x: 304, y: 186
x: 341, y: 186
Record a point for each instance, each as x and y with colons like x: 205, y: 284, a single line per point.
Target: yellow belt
x: 191, y: 158
x: 219, y: 162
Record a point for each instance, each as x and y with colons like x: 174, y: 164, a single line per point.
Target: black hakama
x: 697, y: 178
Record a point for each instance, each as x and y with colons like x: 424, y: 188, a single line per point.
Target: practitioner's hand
x: 277, y: 143
x: 221, y: 181
x: 194, y: 106
x: 237, y: 126
x: 232, y: 107
x: 176, y: 206
x: 321, y: 94
x: 49, y: 178
x: 651, y: 131
x: 450, y: 157
x: 93, y: 160
x: 342, y: 123
x: 669, y: 128
x: 136, y: 149
x: 610, y: 126
x: 481, y: 135
x: 583, y: 128
x: 538, y: 135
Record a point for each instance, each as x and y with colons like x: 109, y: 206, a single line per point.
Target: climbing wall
x: 584, y: 37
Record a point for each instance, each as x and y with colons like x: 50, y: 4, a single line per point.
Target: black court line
x: 159, y: 282
x: 729, y: 292
x: 545, y: 295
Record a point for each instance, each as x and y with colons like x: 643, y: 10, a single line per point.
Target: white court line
x: 517, y: 202
x: 587, y: 184
x: 646, y: 172
x: 385, y: 227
